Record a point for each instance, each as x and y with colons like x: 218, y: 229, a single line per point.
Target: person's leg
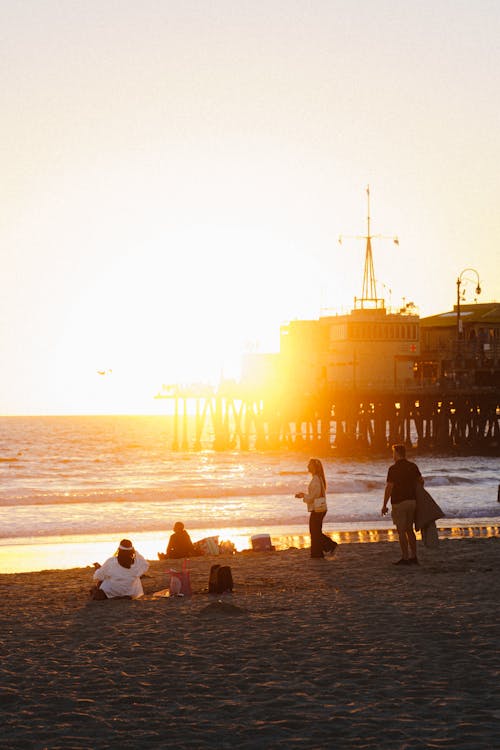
x: 412, y: 543
x: 403, y: 543
x: 398, y: 520
x: 315, y: 523
x: 327, y: 544
x: 409, y: 507
x: 403, y: 515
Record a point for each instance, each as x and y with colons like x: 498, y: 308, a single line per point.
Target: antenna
x: 369, y: 292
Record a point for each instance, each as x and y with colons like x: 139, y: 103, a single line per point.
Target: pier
x: 354, y: 384
x: 341, y: 422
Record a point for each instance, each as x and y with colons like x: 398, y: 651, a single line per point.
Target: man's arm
x: 387, y: 494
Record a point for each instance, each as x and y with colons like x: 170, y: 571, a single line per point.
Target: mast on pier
x: 369, y: 297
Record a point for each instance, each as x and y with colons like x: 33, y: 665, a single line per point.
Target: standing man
x: 402, y: 479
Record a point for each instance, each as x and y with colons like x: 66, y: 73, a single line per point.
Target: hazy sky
x: 174, y: 177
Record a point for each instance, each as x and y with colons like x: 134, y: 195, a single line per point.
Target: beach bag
x: 224, y: 580
x: 208, y: 546
x: 262, y: 543
x: 227, y: 548
x: 320, y: 505
x: 175, y: 585
x: 180, y: 582
x: 220, y: 579
x: 212, y: 579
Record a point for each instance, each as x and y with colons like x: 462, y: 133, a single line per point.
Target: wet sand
x: 345, y: 653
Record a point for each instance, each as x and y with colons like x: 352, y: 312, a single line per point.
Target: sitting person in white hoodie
x: 120, y: 576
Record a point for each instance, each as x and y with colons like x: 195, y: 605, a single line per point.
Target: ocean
x: 72, y: 487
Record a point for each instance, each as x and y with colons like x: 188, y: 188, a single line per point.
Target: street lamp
x: 461, y: 279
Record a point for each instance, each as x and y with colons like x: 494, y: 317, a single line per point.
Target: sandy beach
x: 351, y: 652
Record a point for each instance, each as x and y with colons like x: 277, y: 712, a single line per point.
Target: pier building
x: 371, y: 347
x: 357, y: 383
x: 368, y: 348
x: 461, y: 346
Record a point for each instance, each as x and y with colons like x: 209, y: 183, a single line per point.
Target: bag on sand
x: 220, y: 579
x: 175, y: 585
x: 180, y: 582
x: 212, y: 579
x: 207, y: 546
x: 262, y: 543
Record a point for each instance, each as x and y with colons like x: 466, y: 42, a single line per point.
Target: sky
x: 175, y: 176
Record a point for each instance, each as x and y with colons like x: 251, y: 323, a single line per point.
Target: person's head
x: 398, y: 451
x: 315, y: 467
x: 126, y: 553
x: 178, y: 527
x: 312, y: 466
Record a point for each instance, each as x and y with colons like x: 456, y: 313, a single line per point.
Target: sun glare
x: 184, y: 313
x: 153, y: 302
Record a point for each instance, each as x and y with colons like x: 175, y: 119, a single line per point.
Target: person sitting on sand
x: 179, y: 544
x: 120, y: 576
x: 315, y: 498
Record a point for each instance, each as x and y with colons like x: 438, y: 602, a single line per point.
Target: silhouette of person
x: 401, y: 487
x: 180, y: 544
x: 315, y: 498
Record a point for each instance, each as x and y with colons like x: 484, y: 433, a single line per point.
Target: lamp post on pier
x: 460, y: 295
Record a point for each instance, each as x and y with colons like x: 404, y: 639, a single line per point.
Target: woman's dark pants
x: 319, y: 542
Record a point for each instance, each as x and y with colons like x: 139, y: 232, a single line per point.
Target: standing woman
x: 316, y: 505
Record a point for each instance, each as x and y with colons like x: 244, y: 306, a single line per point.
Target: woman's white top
x: 314, y: 492
x: 120, y: 581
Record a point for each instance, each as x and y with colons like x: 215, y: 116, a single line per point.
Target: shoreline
x: 64, y: 553
x: 345, y: 652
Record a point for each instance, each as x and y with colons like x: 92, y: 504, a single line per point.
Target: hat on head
x: 126, y: 545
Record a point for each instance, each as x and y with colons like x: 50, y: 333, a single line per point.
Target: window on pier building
x: 338, y: 332
x: 351, y: 331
